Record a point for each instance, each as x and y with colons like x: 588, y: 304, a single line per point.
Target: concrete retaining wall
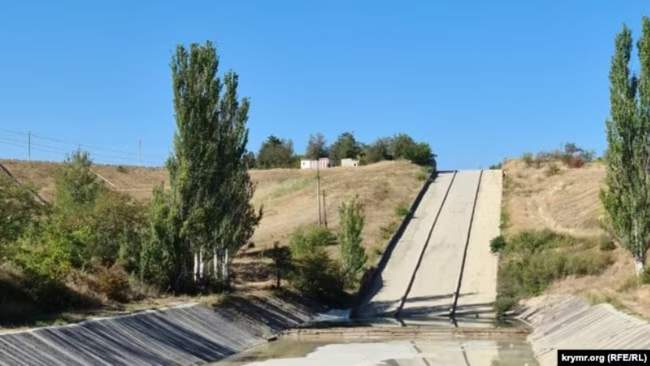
x: 572, y: 323
x: 186, y: 335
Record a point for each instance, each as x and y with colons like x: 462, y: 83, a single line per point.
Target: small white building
x: 322, y: 163
x: 349, y: 162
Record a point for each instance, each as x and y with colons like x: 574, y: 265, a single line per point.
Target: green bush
x: 305, y: 240
x: 402, y: 210
x: 532, y: 260
x: 317, y: 276
x: 497, y: 244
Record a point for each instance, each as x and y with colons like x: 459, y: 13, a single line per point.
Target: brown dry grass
x: 568, y: 202
x: 287, y: 195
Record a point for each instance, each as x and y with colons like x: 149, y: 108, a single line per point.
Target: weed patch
x: 532, y: 260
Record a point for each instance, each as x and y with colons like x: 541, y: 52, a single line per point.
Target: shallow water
x: 293, y: 352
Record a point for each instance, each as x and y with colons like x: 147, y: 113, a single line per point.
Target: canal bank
x: 190, y: 334
x: 569, y: 322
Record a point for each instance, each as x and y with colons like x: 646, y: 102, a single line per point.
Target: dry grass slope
x: 568, y: 202
x: 288, y: 195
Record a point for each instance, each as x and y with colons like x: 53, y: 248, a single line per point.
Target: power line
x: 53, y: 145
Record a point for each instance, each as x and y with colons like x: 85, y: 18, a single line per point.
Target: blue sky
x: 478, y: 80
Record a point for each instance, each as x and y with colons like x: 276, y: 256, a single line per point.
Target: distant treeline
x: 276, y: 152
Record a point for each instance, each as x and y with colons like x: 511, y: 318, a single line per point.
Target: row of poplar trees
x: 627, y: 194
x: 206, y: 216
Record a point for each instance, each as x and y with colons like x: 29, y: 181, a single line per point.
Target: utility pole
x: 320, y: 219
x: 29, y: 146
x: 324, y: 209
x: 140, y: 152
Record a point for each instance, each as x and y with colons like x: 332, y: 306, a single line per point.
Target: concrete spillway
x: 444, y: 248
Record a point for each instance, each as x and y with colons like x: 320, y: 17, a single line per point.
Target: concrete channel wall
x: 442, y: 261
x: 185, y: 335
x: 568, y: 322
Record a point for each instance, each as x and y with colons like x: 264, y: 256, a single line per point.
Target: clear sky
x: 478, y: 80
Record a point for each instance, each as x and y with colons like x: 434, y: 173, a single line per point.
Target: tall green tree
x: 210, y: 186
x: 353, y: 256
x: 275, y: 153
x: 345, y: 146
x: 316, y: 147
x: 627, y: 194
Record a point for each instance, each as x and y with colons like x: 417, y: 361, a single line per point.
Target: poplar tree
x: 627, y: 194
x: 210, y: 186
x: 353, y: 255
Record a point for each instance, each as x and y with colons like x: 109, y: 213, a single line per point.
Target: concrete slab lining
x: 433, y: 256
x: 436, y: 280
x: 394, y: 280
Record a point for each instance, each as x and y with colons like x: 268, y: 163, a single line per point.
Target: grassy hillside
x: 567, y: 201
x: 287, y: 195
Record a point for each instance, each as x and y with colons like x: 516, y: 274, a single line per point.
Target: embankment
x: 185, y: 335
x: 561, y: 322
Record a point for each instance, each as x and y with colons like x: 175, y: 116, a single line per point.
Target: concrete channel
x: 442, y: 265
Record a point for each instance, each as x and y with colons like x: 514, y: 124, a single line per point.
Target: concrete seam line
x: 469, y: 234
x: 392, y: 243
x: 424, y: 249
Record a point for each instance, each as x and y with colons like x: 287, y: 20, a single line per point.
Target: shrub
x: 497, y: 244
x: 532, y: 260
x: 353, y: 255
x: 317, y: 276
x: 552, y: 170
x: 402, y: 210
x: 113, y: 282
x: 305, y: 240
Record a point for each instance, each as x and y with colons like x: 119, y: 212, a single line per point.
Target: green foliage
x: 497, y: 244
x: 305, y: 240
x: 276, y: 153
x: 210, y: 185
x: 118, y: 226
x: 316, y: 147
x: 528, y: 159
x: 317, y: 276
x: 400, y: 146
x: 402, y: 210
x: 353, y: 256
x: 627, y: 194
x: 346, y: 146
x: 377, y: 151
x: 20, y: 210
x: 77, y: 187
x: 532, y: 260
